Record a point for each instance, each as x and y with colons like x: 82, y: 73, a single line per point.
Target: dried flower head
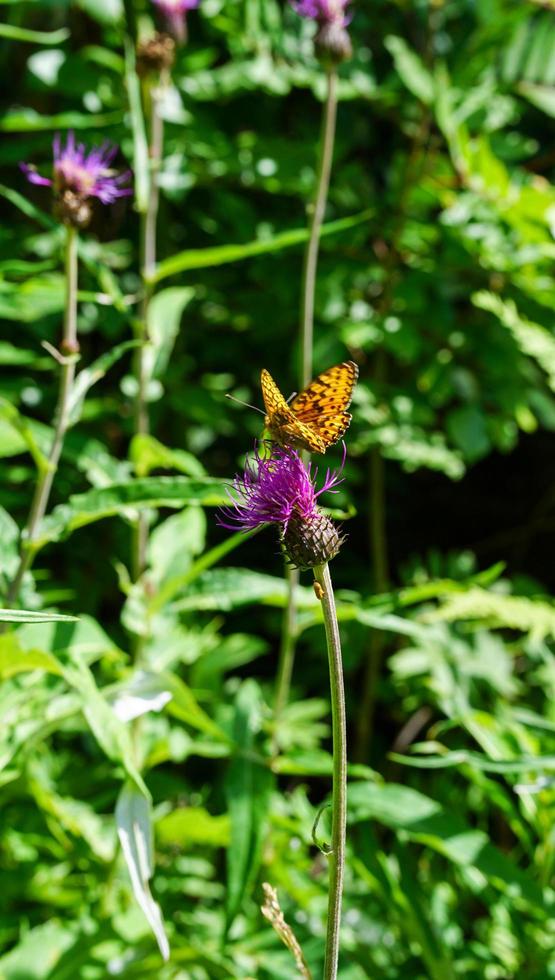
x: 279, y: 489
x: 332, y: 42
x: 78, y: 176
x: 155, y: 54
x: 175, y: 15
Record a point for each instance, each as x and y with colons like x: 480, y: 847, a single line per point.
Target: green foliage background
x: 438, y: 280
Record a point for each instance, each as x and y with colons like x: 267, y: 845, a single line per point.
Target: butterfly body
x: 317, y: 417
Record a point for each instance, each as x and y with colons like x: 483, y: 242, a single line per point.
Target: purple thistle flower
x: 175, y: 12
x: 82, y: 174
x: 272, y: 488
x: 323, y: 11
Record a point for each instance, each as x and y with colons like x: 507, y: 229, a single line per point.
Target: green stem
x: 325, y: 159
x: 67, y: 359
x: 308, y: 290
x: 339, y: 787
x: 148, y: 265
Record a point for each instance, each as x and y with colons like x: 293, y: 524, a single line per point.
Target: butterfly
x: 317, y: 417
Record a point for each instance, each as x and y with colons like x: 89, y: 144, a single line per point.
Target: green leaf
x: 27, y: 207
x: 14, y: 33
x: 147, y: 454
x: 205, y: 258
x: 93, y: 373
x: 14, y: 660
x: 411, y: 69
x: 229, y: 588
x: 97, y: 504
x: 426, y: 821
x: 141, y: 168
x: 248, y: 788
x: 190, y: 825
x: 112, y: 735
x: 533, y: 340
x: 28, y: 616
x: 533, y: 616
x: 164, y: 317
x: 29, y: 121
x: 134, y: 824
x: 40, y: 951
x: 20, y: 425
x: 540, y: 96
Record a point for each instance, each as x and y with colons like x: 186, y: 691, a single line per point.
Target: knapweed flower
x: 279, y: 489
x: 78, y: 176
x: 332, y: 42
x: 323, y: 11
x: 175, y: 14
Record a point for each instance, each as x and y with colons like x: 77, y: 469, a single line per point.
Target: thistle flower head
x: 175, y: 14
x: 79, y: 175
x: 332, y: 42
x: 279, y: 489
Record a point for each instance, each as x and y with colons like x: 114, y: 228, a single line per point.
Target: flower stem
x: 339, y: 788
x: 308, y: 289
x: 148, y: 264
x: 68, y: 360
x: 318, y: 209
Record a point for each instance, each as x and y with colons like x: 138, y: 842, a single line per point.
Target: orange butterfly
x: 317, y: 417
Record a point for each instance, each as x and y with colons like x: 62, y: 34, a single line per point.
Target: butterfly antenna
x: 246, y: 404
x: 291, y: 397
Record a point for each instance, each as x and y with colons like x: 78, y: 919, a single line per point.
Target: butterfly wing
x: 331, y: 391
x: 283, y: 423
x: 322, y: 405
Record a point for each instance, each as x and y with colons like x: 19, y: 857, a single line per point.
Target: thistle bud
x: 332, y: 44
x: 311, y: 541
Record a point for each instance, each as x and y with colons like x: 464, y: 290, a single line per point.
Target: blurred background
x: 443, y: 294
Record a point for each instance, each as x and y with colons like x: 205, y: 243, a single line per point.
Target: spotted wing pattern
x: 317, y: 417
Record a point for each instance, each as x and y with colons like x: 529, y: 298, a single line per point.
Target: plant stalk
x: 149, y: 222
x: 318, y: 208
x: 308, y: 290
x: 339, y: 787
x: 68, y: 360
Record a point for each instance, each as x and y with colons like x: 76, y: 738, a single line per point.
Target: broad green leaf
x: 134, y: 824
x: 147, y: 454
x: 248, y: 788
x: 190, y: 825
x: 14, y: 660
x: 229, y: 588
x: 39, y: 951
x: 426, y: 821
x: 205, y: 258
x: 84, y: 637
x: 174, y: 543
x: 164, y: 317
x: 160, y: 491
